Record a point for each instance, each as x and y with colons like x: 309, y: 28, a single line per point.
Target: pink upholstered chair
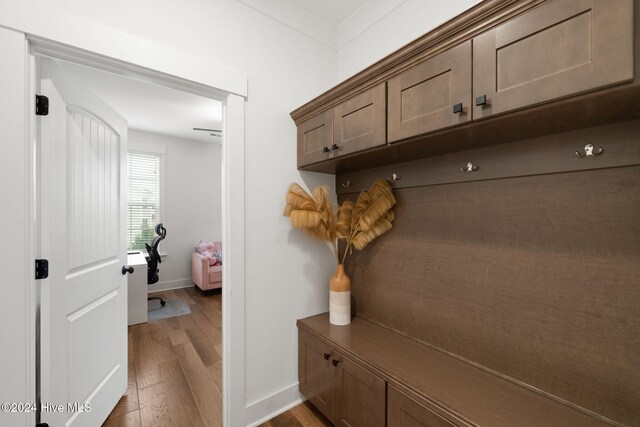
x: 203, y: 275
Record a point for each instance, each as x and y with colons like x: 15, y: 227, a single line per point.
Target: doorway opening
x: 195, y: 339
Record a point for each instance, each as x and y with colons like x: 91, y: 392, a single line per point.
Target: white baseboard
x: 273, y: 405
x: 170, y: 284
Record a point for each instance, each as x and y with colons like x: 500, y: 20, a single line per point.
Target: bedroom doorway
x: 196, y: 342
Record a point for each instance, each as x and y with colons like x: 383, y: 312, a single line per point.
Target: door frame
x: 233, y: 176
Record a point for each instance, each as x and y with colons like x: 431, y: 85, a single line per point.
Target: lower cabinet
x: 345, y: 393
x: 403, y: 411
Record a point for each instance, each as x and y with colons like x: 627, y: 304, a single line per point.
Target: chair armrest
x: 199, y: 269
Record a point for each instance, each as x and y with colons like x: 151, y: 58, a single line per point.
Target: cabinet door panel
x: 558, y: 49
x: 405, y: 412
x: 315, y: 373
x: 421, y: 99
x: 360, y: 396
x: 359, y: 122
x: 314, y: 135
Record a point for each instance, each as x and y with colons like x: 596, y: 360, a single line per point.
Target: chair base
x: 162, y: 302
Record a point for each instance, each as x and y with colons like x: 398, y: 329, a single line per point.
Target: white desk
x: 137, y: 289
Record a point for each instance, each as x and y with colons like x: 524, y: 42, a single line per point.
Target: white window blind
x: 143, y: 207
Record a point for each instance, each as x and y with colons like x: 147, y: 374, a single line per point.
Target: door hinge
x: 42, y: 269
x: 42, y: 105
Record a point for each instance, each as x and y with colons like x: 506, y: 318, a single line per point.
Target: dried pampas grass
x: 358, y: 224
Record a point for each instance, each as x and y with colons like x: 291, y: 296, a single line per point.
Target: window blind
x: 143, y: 207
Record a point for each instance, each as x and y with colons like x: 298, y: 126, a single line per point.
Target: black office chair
x: 154, y: 259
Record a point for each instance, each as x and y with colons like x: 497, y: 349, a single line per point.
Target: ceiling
x: 153, y: 108
x: 331, y: 11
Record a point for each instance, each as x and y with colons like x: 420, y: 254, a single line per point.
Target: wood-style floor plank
x: 183, y: 410
x: 215, y: 371
x: 201, y: 384
x: 174, y: 329
x: 146, y: 366
x: 130, y: 419
x: 154, y: 407
x: 309, y: 416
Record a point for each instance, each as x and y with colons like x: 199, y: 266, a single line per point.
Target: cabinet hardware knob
x: 335, y: 362
x: 457, y: 108
x: 589, y: 151
x: 481, y: 100
x: 394, y: 177
x: 346, y: 184
x: 325, y: 149
x: 334, y: 147
x: 127, y: 269
x: 470, y: 167
x: 326, y: 356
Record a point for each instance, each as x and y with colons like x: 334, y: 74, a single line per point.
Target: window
x: 143, y: 207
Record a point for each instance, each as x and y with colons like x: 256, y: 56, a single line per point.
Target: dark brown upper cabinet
x: 359, y: 122
x: 558, y: 49
x: 315, y: 137
x: 431, y: 95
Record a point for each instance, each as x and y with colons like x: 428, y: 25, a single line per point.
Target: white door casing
x: 82, y: 192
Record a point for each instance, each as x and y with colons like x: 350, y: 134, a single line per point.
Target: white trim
x: 233, y: 370
x: 264, y: 409
x: 169, y: 285
x: 233, y: 279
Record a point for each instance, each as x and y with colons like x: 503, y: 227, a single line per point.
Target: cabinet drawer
x: 558, y: 49
x: 422, y: 98
x: 403, y: 411
x: 359, y: 122
x: 315, y: 137
x: 315, y: 373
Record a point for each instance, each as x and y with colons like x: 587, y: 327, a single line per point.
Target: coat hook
x: 346, y: 184
x: 470, y: 167
x: 394, y: 177
x: 588, y: 151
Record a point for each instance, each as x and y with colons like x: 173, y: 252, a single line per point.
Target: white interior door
x: 82, y: 191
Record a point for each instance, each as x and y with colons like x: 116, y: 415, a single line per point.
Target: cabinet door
x: 359, y: 122
x: 422, y: 99
x: 558, y: 49
x: 403, y: 411
x: 315, y: 373
x: 360, y: 395
x: 315, y: 137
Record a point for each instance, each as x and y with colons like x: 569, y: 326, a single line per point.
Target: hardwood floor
x: 175, y: 368
x: 175, y: 372
x: 303, y: 415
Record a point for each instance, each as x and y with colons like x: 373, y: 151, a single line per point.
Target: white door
x: 82, y: 191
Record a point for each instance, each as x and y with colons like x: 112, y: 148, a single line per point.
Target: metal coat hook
x: 588, y: 151
x: 346, y: 184
x: 394, y: 177
x: 470, y: 167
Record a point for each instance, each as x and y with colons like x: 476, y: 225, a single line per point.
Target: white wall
x: 191, y: 207
x: 408, y: 21
x: 284, y: 69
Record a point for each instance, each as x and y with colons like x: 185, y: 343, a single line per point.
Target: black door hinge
x: 42, y: 105
x: 42, y: 269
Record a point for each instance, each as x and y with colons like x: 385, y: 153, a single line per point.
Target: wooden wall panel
x: 535, y: 277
